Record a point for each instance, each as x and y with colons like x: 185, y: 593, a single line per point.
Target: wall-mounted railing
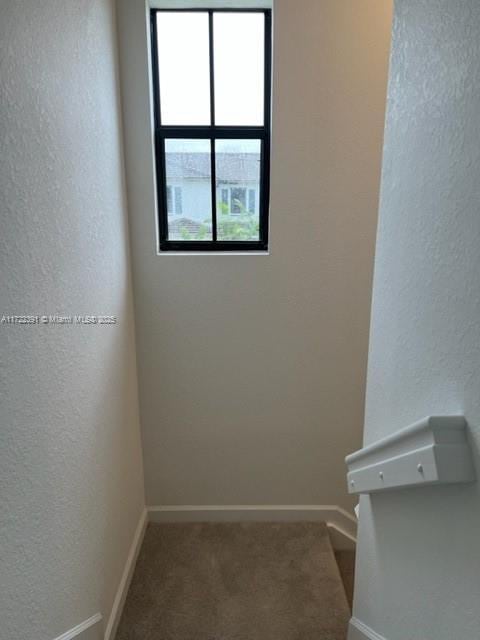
x: 434, y: 450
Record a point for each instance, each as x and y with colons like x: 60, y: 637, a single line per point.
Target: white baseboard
x: 119, y: 601
x: 90, y: 629
x: 341, y: 540
x: 342, y: 526
x: 359, y: 631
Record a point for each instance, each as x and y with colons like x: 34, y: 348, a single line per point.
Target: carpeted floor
x: 235, y: 581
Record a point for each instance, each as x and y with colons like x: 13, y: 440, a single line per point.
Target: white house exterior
x: 189, y: 191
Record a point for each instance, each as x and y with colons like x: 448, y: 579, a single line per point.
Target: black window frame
x: 213, y: 132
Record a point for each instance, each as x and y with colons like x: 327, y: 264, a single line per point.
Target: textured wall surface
x: 252, y: 368
x: 71, y: 487
x: 418, y: 562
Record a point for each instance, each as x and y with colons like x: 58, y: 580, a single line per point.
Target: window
x: 225, y: 200
x: 251, y: 201
x: 178, y: 200
x: 171, y: 209
x: 211, y: 87
x: 239, y: 200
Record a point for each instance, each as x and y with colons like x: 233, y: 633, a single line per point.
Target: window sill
x: 213, y: 253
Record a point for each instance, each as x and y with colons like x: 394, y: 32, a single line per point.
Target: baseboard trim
x: 87, y: 630
x: 120, y: 596
x: 359, y: 631
x: 341, y: 540
x: 341, y: 524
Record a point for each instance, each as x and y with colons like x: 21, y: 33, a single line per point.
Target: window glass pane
x: 225, y: 201
x: 251, y: 201
x: 178, y: 200
x: 188, y: 171
x: 238, y: 170
x: 239, y: 200
x: 184, y: 69
x: 239, y: 68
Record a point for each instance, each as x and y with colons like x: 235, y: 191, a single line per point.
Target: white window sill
x: 210, y: 4
x: 213, y: 253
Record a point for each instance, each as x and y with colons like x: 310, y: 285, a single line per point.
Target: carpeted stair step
x: 236, y: 581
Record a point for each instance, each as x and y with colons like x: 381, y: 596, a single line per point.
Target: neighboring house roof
x: 179, y: 225
x: 230, y: 167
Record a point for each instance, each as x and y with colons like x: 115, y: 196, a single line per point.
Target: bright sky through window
x: 239, y: 68
x: 183, y: 58
x: 183, y: 61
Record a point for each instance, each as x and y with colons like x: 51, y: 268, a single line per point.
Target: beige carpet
x: 232, y: 581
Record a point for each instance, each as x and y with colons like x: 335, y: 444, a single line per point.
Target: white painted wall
x: 418, y: 562
x: 71, y: 486
x: 252, y: 368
